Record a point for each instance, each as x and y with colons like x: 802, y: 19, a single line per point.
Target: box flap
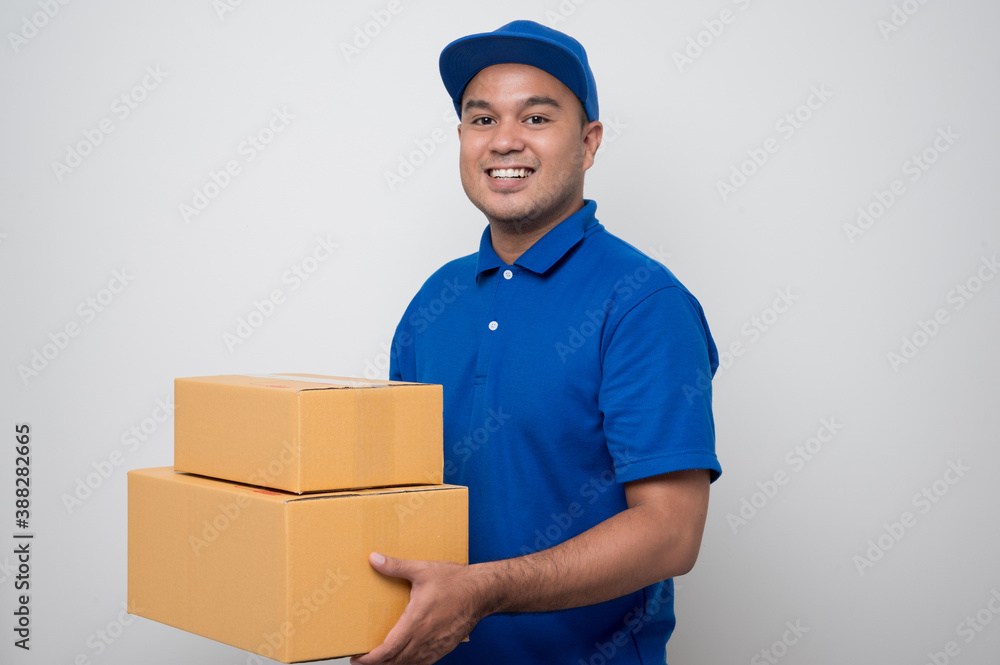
x: 282, y: 496
x: 299, y: 381
x: 372, y: 492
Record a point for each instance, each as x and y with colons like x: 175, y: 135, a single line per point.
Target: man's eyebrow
x: 535, y: 100
x: 476, y: 104
x: 541, y: 100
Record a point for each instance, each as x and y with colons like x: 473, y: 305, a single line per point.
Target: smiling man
x: 576, y: 403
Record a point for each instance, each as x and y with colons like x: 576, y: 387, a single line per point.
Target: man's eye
x: 535, y: 120
x: 483, y: 121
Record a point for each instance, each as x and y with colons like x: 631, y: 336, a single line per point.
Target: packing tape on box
x: 331, y: 381
x: 382, y: 536
x: 374, y: 452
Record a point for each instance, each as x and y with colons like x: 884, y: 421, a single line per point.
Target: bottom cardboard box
x: 282, y: 575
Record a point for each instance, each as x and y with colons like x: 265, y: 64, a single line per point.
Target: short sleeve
x: 656, y: 388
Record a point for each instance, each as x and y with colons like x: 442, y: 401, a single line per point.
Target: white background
x: 817, y: 550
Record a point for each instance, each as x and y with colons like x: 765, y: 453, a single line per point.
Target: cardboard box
x: 308, y: 433
x: 279, y: 574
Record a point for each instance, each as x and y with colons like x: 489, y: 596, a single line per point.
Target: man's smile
x: 509, y: 174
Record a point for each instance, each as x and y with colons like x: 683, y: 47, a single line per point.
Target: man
x: 577, y: 407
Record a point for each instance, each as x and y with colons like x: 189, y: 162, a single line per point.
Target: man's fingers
x: 385, y: 652
x: 394, y: 643
x: 380, y: 654
x: 391, y: 566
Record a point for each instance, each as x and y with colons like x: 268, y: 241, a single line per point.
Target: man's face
x: 524, y: 149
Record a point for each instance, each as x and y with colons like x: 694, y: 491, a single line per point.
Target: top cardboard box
x: 308, y: 433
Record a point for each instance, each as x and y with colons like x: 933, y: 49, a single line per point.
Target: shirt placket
x: 496, y: 321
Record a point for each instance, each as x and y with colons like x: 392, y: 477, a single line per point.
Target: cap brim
x: 464, y: 58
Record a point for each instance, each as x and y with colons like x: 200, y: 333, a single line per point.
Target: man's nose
x: 507, y: 137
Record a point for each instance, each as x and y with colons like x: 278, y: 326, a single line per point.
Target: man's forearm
x: 648, y: 542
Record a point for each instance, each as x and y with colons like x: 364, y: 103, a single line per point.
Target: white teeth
x: 510, y: 173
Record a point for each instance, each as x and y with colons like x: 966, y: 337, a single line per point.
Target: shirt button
x: 507, y: 274
x: 493, y: 325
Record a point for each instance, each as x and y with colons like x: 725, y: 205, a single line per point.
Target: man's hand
x: 446, y: 602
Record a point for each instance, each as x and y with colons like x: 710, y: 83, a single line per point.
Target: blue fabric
x: 596, y: 372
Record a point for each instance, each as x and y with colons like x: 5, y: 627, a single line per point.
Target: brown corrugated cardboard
x: 279, y: 574
x: 307, y: 433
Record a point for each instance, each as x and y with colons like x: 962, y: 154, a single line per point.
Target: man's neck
x: 510, y: 241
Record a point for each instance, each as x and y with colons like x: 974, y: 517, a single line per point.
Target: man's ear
x: 592, y: 135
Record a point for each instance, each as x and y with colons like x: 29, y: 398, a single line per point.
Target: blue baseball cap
x: 522, y: 42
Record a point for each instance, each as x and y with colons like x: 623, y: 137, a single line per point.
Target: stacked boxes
x: 282, y: 484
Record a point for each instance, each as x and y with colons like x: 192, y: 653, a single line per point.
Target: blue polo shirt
x: 582, y: 366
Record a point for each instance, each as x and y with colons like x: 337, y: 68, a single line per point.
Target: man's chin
x: 513, y: 219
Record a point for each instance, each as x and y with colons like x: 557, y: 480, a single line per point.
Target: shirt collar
x: 548, y: 249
